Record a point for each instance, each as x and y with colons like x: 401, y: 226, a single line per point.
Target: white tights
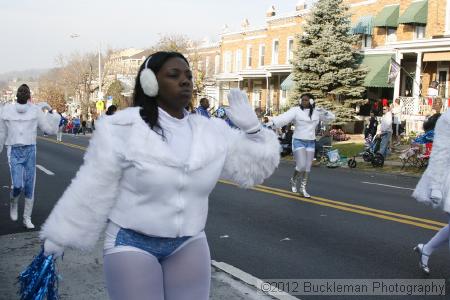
x: 439, y: 239
x: 184, y: 275
x: 303, y: 159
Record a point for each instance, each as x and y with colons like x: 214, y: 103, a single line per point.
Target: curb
x: 250, y: 280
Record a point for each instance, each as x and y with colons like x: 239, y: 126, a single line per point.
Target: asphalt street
x: 357, y: 225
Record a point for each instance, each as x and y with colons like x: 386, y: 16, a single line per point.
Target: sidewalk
x: 82, y: 272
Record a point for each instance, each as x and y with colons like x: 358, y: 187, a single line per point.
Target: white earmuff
x: 148, y: 81
x: 311, y: 101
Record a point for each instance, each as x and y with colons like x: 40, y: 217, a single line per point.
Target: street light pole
x: 100, y: 94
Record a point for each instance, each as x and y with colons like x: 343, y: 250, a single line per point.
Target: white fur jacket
x: 131, y: 177
x: 305, y: 126
x: 19, y: 123
x: 436, y: 176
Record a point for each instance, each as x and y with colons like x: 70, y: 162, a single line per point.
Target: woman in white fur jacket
x: 434, y: 188
x: 305, y: 117
x: 146, y: 177
x: 18, y: 130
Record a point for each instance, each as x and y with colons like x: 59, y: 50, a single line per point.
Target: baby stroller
x: 371, y: 153
x: 419, y: 152
x: 331, y: 158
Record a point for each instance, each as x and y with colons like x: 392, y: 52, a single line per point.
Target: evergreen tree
x: 115, y: 90
x: 326, y: 62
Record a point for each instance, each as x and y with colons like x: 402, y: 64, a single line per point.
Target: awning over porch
x: 416, y: 13
x: 436, y: 56
x: 378, y: 65
x: 387, y: 17
x: 363, y: 26
x: 288, y: 83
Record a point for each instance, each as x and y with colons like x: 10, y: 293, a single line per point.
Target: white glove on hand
x: 436, y: 197
x: 51, y: 248
x: 241, y: 113
x: 44, y: 105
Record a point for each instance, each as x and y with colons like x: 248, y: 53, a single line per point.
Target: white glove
x: 436, y: 196
x: 241, y: 113
x: 44, y: 105
x: 51, y: 248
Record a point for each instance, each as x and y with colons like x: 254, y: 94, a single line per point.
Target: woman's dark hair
x: 111, y: 110
x: 311, y: 106
x: 149, y: 111
x: 23, y: 94
x: 431, y: 122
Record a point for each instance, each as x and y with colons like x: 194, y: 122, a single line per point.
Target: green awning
x: 363, y: 26
x: 378, y: 65
x: 416, y: 13
x: 288, y: 83
x: 387, y: 17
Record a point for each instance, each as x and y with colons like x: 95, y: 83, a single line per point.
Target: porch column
x: 398, y: 59
x: 416, y: 88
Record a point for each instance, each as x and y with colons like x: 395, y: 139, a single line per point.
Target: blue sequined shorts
x: 118, y: 239
x: 160, y: 247
x: 307, y: 144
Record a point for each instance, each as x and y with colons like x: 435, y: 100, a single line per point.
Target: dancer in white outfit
x: 305, y: 117
x: 19, y: 122
x: 147, y: 175
x: 434, y: 188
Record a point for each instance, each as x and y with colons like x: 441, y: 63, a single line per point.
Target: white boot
x: 303, y: 185
x: 13, y: 204
x: 294, y: 181
x: 27, y: 213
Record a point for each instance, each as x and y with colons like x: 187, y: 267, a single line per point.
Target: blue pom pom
x: 39, y: 279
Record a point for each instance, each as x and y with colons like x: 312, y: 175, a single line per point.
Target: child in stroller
x: 420, y: 149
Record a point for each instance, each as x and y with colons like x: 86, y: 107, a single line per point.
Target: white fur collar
x: 144, y: 144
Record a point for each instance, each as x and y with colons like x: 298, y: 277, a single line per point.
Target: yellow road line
x: 363, y: 210
x: 62, y: 143
x: 330, y: 203
x: 385, y: 212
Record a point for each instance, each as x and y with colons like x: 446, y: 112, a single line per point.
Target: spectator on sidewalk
x: 385, y: 131
x: 62, y: 124
x: 19, y: 122
x: 76, y: 125
x: 371, y: 128
x: 203, y: 108
x: 396, y: 110
x: 147, y: 175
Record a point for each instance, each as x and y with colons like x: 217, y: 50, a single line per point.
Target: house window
x: 391, y: 34
x: 275, y: 47
x: 249, y: 57
x: 290, y: 50
x: 217, y: 64
x: 262, y: 53
x: 366, y: 41
x: 419, y: 32
x: 227, y: 62
x: 238, y: 62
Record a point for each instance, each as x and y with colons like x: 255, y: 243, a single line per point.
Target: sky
x: 34, y: 32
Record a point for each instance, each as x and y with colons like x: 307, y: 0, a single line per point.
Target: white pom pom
x: 149, y: 83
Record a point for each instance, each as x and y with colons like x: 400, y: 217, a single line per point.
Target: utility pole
x: 100, y: 94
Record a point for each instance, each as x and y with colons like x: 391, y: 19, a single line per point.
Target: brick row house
x: 416, y: 34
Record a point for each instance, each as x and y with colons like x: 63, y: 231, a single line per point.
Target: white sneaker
x: 27, y: 223
x: 13, y: 204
